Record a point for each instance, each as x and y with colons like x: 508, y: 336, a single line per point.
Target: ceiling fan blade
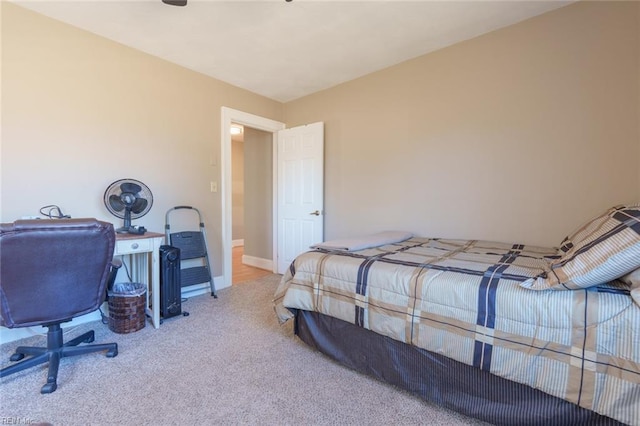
x: 175, y: 2
x: 131, y: 187
x: 139, y: 205
x: 116, y: 203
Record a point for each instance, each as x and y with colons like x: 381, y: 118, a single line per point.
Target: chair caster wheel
x: 185, y: 314
x: 49, y: 387
x: 215, y: 296
x: 16, y: 357
x: 112, y: 352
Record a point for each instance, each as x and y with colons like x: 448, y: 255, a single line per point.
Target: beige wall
x: 258, y: 178
x: 80, y: 111
x: 517, y: 135
x: 237, y: 189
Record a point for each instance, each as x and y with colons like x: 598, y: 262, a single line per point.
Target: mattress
x: 464, y: 299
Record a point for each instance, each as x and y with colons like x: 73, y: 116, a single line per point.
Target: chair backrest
x: 53, y: 270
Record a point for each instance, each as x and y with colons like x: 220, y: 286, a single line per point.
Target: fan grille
x: 128, y: 197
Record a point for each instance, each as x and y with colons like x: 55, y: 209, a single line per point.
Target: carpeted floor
x: 229, y: 362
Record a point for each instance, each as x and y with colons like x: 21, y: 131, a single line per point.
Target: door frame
x: 228, y: 116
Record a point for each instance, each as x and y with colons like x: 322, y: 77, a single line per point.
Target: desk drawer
x: 133, y: 246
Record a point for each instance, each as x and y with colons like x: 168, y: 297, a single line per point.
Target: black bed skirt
x: 439, y: 379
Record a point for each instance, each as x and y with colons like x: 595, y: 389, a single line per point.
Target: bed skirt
x: 438, y: 379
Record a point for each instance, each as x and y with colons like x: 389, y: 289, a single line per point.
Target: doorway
x: 252, y: 201
x: 230, y: 116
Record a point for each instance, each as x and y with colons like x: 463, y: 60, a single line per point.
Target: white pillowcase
x: 633, y: 279
x: 607, y: 248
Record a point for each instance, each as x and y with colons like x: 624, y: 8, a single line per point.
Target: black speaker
x: 170, y: 292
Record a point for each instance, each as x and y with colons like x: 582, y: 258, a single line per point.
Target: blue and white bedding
x: 468, y: 301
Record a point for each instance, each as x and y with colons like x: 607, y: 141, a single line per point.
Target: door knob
x: 316, y: 213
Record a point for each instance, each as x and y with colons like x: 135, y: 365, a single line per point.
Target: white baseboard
x: 237, y: 243
x: 12, y: 334
x: 258, y: 262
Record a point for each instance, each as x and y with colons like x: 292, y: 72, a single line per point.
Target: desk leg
x: 141, y: 273
x: 145, y: 270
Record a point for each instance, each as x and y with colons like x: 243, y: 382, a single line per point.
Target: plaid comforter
x: 462, y: 299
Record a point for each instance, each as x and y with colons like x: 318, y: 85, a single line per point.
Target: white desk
x: 143, y: 251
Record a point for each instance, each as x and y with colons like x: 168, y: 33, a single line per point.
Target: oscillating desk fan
x: 128, y: 199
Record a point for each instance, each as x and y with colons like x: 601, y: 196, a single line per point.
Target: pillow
x: 364, y: 242
x: 583, y: 231
x: 606, y: 248
x: 633, y: 279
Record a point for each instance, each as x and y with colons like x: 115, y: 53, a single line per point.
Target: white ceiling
x: 286, y: 50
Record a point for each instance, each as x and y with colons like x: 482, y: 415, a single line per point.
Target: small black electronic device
x: 137, y: 230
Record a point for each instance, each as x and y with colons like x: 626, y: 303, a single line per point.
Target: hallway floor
x: 243, y: 273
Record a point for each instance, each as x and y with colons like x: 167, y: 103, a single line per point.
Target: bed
x: 506, y: 333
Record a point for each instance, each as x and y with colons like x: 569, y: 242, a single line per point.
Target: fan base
x: 136, y: 230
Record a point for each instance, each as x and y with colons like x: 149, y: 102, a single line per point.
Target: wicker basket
x: 127, y: 312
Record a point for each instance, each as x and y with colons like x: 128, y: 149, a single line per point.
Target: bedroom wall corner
x: 80, y: 111
x: 518, y: 135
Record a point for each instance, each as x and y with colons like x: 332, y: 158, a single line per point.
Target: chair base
x: 54, y: 352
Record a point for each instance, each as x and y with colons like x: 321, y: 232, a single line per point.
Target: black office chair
x: 52, y: 271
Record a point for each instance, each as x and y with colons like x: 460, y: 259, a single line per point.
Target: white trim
x: 229, y: 116
x: 12, y: 334
x: 237, y: 243
x: 257, y: 262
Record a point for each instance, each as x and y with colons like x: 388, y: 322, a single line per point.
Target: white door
x: 300, y: 191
